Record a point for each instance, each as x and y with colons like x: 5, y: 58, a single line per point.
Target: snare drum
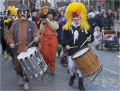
x: 87, y: 62
x: 32, y: 62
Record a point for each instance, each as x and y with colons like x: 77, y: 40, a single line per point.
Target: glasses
x: 23, y: 11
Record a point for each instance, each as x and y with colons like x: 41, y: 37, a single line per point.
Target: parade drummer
x: 76, y: 32
x: 23, y: 32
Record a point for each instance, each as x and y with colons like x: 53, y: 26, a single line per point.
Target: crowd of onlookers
x: 104, y: 20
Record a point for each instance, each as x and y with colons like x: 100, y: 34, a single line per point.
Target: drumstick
x: 18, y: 43
x: 30, y: 44
x: 84, y: 42
x: 73, y: 46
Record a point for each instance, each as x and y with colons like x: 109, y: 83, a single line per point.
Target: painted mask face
x: 76, y: 17
x: 23, y: 14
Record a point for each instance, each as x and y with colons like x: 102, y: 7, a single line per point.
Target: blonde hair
x: 76, y: 7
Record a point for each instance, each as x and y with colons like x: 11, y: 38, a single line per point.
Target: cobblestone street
x: 107, y: 80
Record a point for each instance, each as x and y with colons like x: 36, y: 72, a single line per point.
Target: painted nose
x: 22, y: 12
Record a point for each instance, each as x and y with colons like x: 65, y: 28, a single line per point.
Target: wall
x: 2, y: 6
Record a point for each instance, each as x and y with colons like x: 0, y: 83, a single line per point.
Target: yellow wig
x: 76, y: 7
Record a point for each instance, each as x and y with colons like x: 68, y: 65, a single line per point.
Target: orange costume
x: 49, y: 43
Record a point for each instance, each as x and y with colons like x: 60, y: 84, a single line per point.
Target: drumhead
x: 30, y: 51
x: 80, y: 52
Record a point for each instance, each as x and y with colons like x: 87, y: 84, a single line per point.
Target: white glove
x: 67, y: 47
x: 12, y: 45
x: 88, y: 39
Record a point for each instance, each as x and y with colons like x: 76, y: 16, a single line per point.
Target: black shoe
x: 72, y: 78
x: 68, y: 71
x: 52, y: 73
x: 80, y: 84
x: 96, y: 47
x: 3, y: 52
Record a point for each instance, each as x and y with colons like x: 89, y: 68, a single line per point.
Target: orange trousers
x: 48, y: 48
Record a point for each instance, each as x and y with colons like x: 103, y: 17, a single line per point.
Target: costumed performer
x: 24, y: 31
x: 49, y: 42
x: 75, y: 34
x: 7, y: 25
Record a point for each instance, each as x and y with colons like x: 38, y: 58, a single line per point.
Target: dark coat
x: 2, y: 26
x: 107, y: 23
x: 92, y: 24
x: 69, y: 40
x: 98, y: 21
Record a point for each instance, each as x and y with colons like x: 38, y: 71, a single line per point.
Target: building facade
x: 105, y: 4
x: 2, y: 6
x: 29, y: 3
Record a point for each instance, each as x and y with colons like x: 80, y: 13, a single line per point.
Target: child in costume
x: 75, y: 34
x: 97, y: 37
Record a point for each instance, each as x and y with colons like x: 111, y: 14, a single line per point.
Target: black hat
x: 22, y: 7
x: 51, y: 11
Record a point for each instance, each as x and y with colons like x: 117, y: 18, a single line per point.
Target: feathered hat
x: 70, y: 10
x: 11, y: 10
x: 44, y: 11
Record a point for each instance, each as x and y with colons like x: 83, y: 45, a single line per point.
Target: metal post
x: 28, y: 3
x: 23, y: 1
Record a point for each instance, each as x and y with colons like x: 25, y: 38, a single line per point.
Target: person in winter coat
x: 116, y: 21
x: 91, y: 22
x: 3, y: 42
x: 107, y: 23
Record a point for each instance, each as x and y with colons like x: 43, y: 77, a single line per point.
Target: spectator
x: 110, y: 13
x: 116, y: 21
x: 98, y: 19
x: 3, y: 42
x: 92, y: 22
x: 107, y: 23
x: 91, y: 9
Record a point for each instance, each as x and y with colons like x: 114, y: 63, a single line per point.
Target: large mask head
x: 23, y: 12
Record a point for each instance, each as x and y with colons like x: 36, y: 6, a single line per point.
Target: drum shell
x: 87, y: 63
x: 33, y: 64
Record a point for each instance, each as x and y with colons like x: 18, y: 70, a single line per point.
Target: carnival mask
x: 76, y: 17
x: 23, y: 14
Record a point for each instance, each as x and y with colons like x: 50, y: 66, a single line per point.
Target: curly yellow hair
x: 76, y: 7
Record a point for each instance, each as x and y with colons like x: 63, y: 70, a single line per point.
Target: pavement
x: 107, y: 80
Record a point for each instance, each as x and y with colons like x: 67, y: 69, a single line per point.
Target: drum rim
x: 80, y: 50
x: 100, y: 67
